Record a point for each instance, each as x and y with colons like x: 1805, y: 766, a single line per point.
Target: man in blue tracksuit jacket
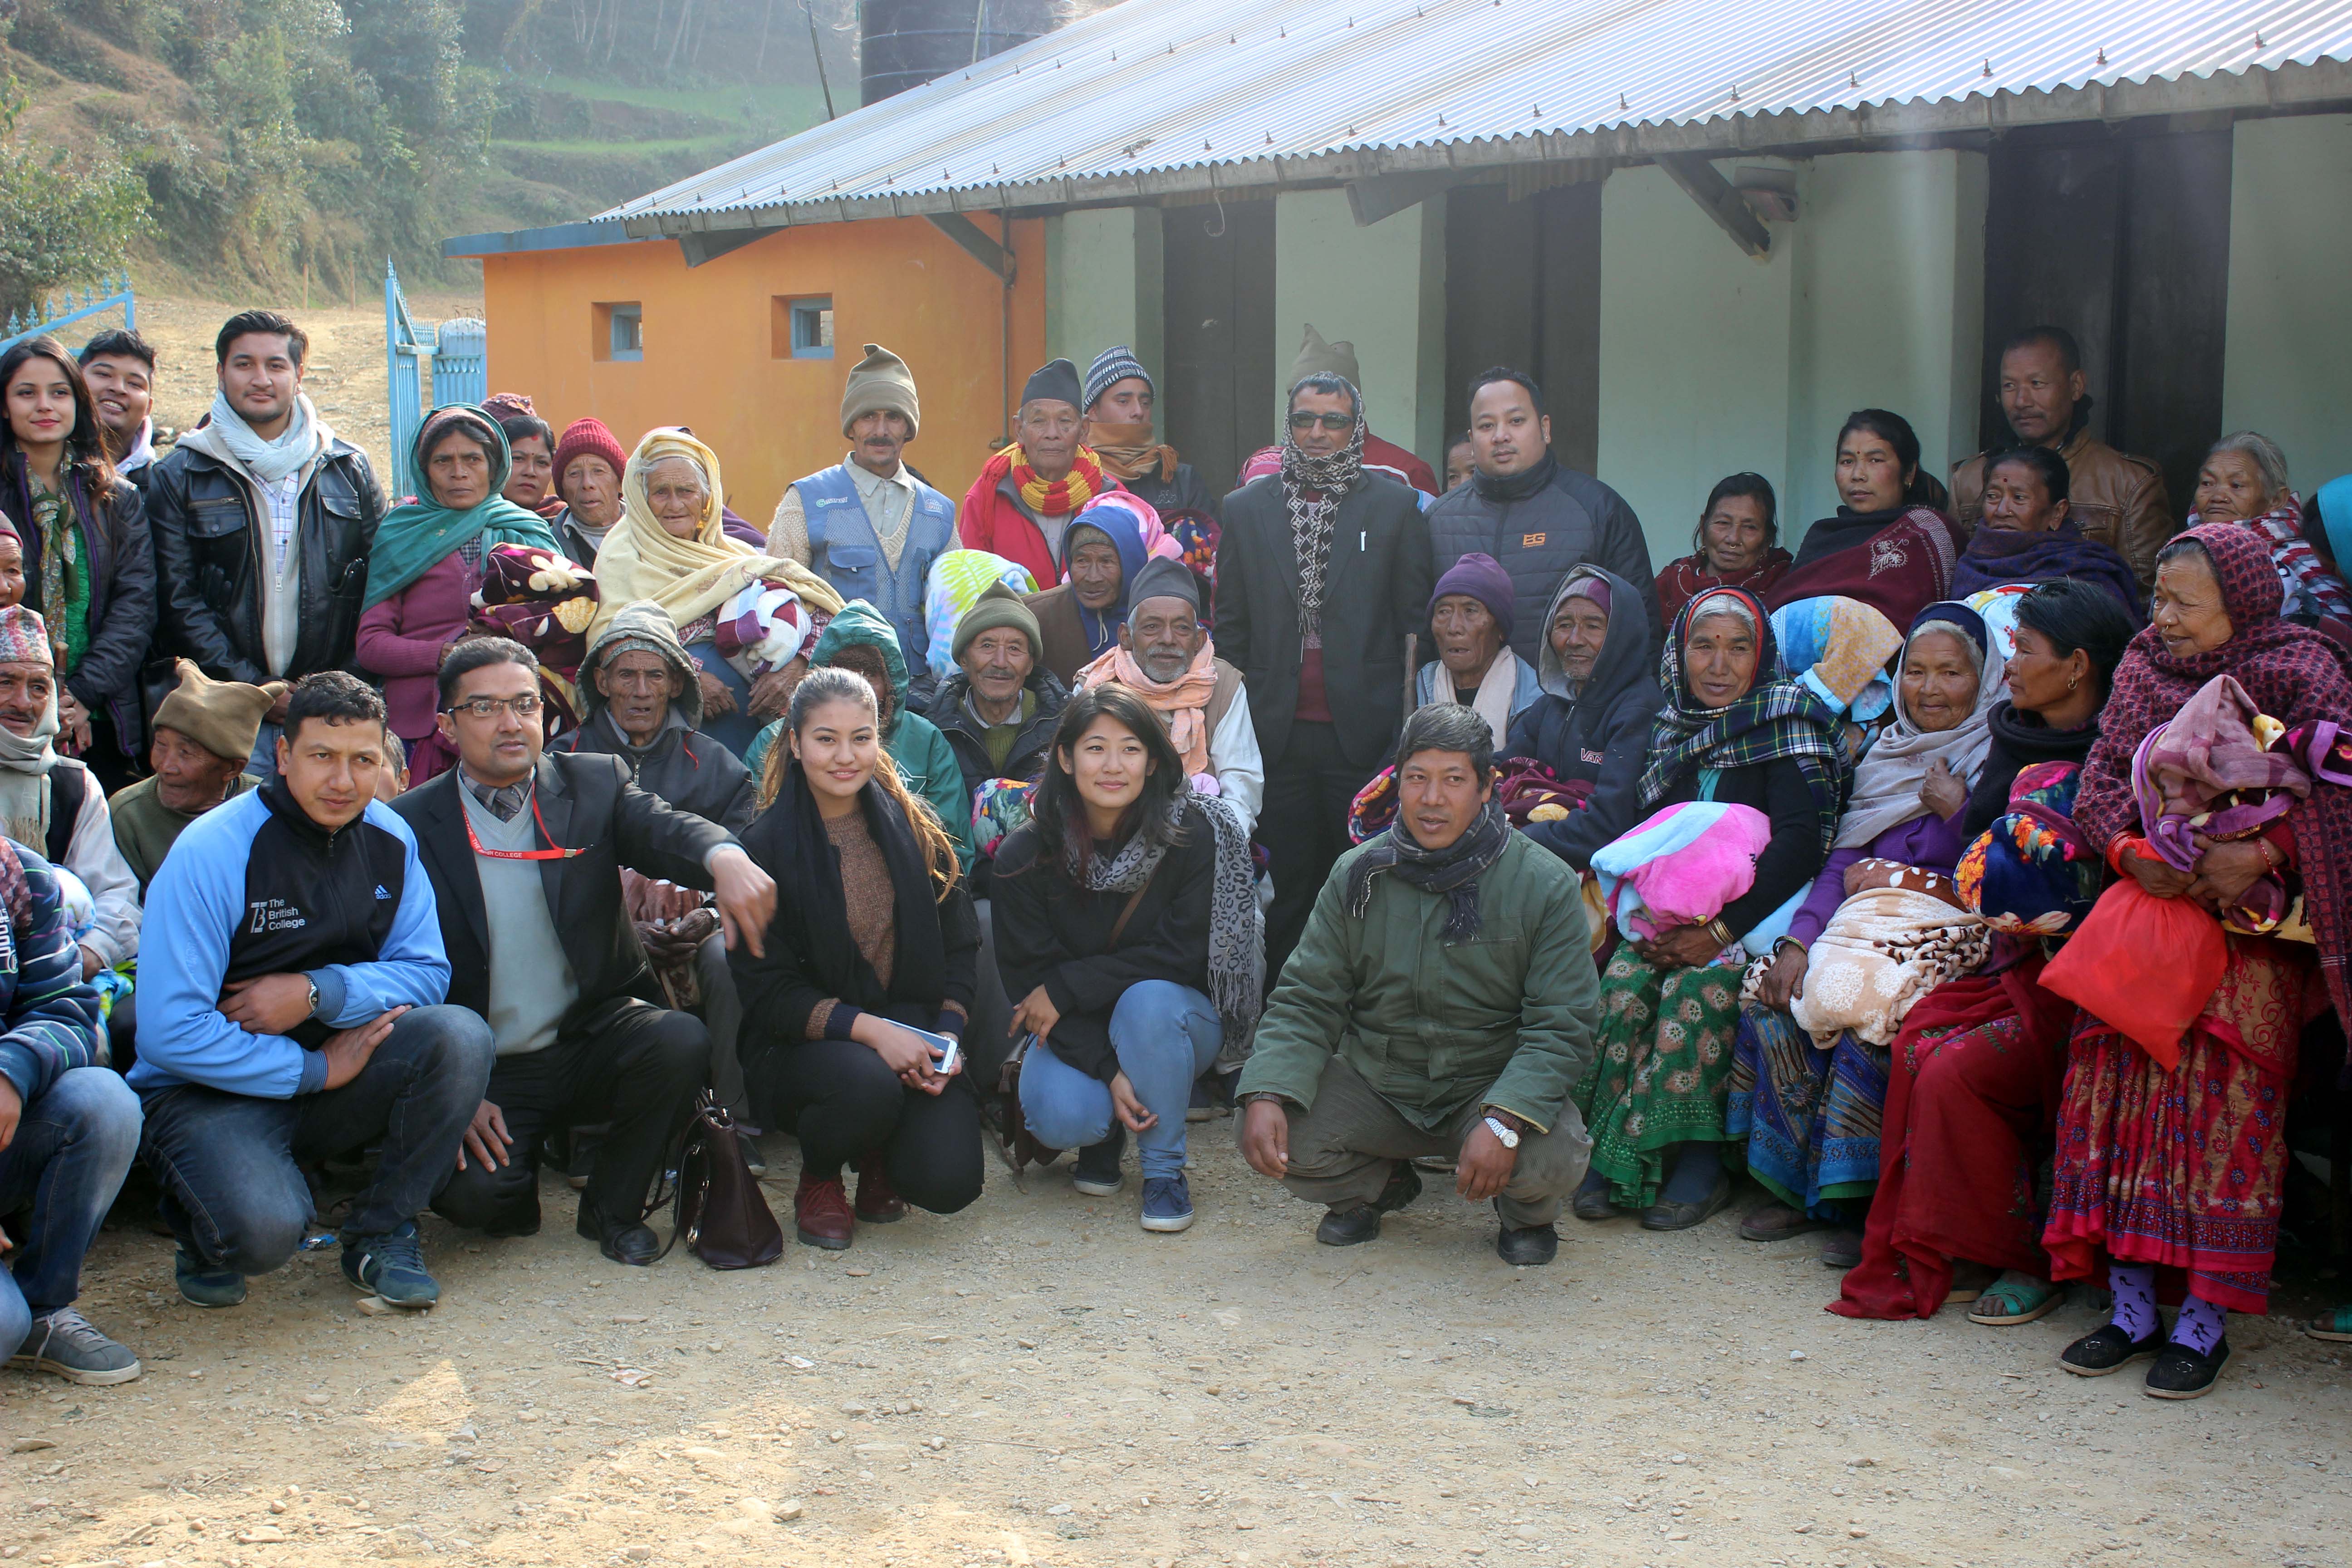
x: 290, y: 1010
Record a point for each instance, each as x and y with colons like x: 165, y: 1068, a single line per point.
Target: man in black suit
x: 1322, y: 569
x: 525, y: 853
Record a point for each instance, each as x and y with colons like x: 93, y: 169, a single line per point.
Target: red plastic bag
x: 2142, y: 966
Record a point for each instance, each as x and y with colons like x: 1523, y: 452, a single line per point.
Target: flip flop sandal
x: 2025, y: 1303
x: 2334, y: 1324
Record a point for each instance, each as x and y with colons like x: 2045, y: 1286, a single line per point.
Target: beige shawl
x: 687, y: 577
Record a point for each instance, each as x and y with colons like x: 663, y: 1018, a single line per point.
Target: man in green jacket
x: 1441, y: 1001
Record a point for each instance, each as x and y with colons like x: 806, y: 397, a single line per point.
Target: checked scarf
x: 1453, y: 871
x: 1326, y: 479
x: 1776, y: 718
x: 1058, y: 498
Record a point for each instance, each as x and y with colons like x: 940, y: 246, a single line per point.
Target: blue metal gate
x: 457, y: 353
x: 70, y: 306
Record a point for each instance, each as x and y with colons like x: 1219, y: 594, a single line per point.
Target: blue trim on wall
x: 556, y: 236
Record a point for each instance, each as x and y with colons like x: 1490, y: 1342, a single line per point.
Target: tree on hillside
x: 63, y: 223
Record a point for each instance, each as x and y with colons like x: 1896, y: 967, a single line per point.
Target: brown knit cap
x: 224, y: 717
x: 881, y: 380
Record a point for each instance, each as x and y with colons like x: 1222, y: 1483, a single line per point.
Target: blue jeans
x: 233, y: 1192
x: 1166, y: 1036
x: 73, y: 1145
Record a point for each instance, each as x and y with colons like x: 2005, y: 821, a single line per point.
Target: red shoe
x: 821, y: 1212
x: 878, y: 1202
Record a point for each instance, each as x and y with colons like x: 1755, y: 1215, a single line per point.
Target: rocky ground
x: 1038, y: 1382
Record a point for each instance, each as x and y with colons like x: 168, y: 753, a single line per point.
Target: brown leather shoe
x: 821, y: 1213
x: 878, y: 1202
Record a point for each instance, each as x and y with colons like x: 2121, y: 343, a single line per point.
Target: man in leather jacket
x: 2115, y: 499
x: 263, y: 519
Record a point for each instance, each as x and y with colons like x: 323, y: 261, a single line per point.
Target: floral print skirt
x: 1661, y: 1070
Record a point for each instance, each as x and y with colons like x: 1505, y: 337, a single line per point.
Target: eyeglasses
x: 523, y: 707
x: 1300, y: 419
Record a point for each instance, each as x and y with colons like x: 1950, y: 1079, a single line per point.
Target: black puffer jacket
x: 1538, y: 524
x: 209, y: 539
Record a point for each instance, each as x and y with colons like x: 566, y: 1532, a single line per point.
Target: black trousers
x: 1303, y: 821
x: 633, y: 1065
x: 842, y: 1100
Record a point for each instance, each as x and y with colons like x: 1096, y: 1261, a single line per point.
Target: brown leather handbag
x: 719, y: 1207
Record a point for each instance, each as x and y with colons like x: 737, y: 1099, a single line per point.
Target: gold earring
x: 2072, y: 681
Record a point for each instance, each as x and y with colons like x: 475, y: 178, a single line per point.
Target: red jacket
x: 1382, y: 457
x: 991, y: 520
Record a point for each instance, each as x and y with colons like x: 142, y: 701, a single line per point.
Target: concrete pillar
x: 1103, y: 273
x: 2287, y: 371
x: 1713, y: 362
x: 1382, y: 289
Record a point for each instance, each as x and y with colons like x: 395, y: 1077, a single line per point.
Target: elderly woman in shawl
x: 1891, y: 545
x: 1811, y: 1067
x: 2179, y: 1169
x: 1470, y: 617
x: 1736, y: 545
x: 426, y: 563
x: 672, y: 546
x: 2027, y: 536
x: 1974, y: 1077
x: 1735, y: 730
x: 2243, y: 481
x: 1592, y: 721
x: 1108, y: 543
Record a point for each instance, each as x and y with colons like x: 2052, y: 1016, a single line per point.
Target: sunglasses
x: 1302, y: 420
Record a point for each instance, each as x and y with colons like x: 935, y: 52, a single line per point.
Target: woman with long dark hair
x: 849, y: 1019
x: 89, y: 569
x: 1127, y: 931
x: 1892, y: 545
x: 1737, y: 544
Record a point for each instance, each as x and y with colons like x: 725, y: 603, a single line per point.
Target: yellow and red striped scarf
x: 1061, y: 496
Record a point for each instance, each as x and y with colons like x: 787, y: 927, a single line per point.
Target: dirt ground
x: 1037, y: 1380
x: 344, y: 374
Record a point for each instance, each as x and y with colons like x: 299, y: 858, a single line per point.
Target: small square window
x: 804, y: 327
x: 620, y: 331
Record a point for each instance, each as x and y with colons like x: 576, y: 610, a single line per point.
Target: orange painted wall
x: 708, y: 345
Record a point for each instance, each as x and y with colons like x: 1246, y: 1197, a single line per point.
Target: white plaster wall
x: 1382, y: 289
x: 1693, y: 354
x: 2287, y: 369
x: 1104, y: 276
x: 1713, y: 362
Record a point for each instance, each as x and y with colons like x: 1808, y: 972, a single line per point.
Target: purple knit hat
x: 1482, y: 578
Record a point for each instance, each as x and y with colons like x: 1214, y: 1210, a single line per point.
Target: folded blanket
x: 2030, y: 873
x: 763, y: 628
x: 1883, y: 950
x: 1682, y: 865
x: 1839, y: 648
x: 2219, y: 769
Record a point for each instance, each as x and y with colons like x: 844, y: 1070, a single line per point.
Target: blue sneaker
x: 1167, y: 1204
x: 391, y: 1265
x: 201, y: 1285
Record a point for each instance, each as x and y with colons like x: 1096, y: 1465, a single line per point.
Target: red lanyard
x: 479, y: 848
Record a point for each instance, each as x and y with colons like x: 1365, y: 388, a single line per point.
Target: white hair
x: 2267, y: 458
x: 1720, y: 603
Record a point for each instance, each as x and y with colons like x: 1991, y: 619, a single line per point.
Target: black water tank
x: 906, y: 43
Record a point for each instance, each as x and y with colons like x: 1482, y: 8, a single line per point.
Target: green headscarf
x: 417, y: 535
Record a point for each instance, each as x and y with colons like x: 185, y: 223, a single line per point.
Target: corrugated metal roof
x: 1156, y: 96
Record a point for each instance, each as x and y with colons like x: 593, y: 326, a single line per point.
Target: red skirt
x: 2184, y: 1169
x: 1972, y: 1087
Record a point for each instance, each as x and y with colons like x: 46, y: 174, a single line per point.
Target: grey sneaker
x: 62, y: 1342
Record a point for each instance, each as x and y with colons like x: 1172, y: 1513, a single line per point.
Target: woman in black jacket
x: 867, y: 978
x: 1592, y: 722
x: 1121, y: 910
x: 89, y: 569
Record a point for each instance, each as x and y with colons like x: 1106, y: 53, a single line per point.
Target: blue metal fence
x: 64, y: 310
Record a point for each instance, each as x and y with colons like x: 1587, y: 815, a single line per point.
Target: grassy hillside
x: 290, y: 145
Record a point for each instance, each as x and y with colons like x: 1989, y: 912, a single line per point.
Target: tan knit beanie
x: 880, y: 380
x: 1316, y: 357
x: 224, y: 717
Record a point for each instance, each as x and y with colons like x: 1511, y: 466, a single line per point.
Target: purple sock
x: 2135, y: 1288
x: 2201, y: 1325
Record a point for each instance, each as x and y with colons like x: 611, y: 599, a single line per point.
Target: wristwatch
x: 1507, y: 1137
x: 314, y: 997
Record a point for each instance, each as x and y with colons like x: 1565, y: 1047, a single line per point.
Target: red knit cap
x: 589, y: 438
